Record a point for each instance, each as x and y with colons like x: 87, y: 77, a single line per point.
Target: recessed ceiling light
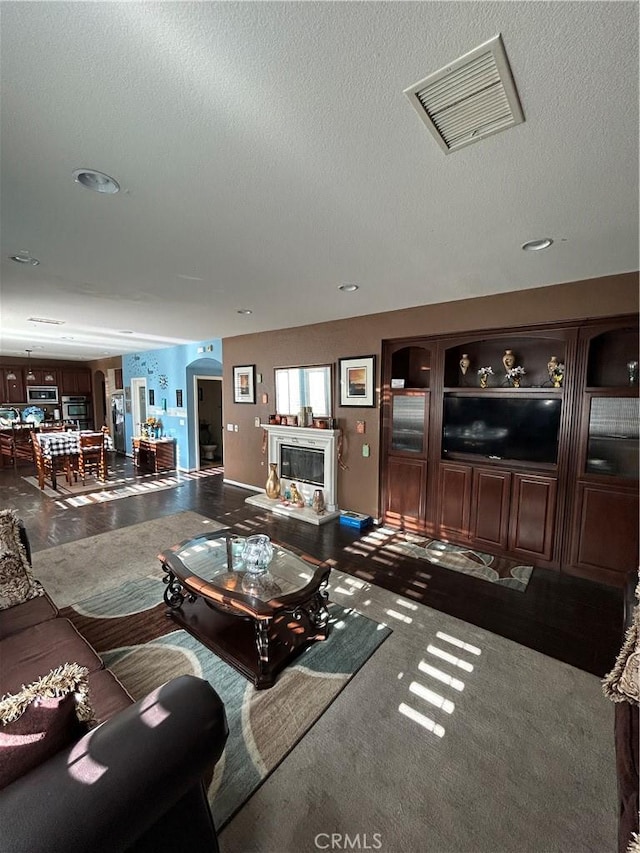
x: 244, y: 311
x: 96, y: 181
x: 536, y: 245
x: 25, y: 258
x: 66, y: 338
x: 348, y: 288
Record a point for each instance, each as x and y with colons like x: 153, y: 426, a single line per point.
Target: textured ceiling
x: 266, y: 154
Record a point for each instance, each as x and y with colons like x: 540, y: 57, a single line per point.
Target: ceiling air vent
x: 470, y: 98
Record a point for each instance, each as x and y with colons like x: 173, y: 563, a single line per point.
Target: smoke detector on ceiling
x: 469, y: 99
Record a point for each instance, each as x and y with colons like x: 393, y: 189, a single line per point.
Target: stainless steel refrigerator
x: 117, y: 422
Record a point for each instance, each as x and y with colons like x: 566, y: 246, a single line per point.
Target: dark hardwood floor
x: 572, y: 620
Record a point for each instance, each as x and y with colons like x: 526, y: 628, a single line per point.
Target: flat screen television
x: 516, y: 428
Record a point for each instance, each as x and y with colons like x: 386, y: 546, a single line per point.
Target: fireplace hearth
x: 308, y: 458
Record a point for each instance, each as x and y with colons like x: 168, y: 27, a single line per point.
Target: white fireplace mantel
x: 311, y: 439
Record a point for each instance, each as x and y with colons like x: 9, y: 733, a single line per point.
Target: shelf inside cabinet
x: 609, y: 355
x: 534, y: 354
x: 411, y: 366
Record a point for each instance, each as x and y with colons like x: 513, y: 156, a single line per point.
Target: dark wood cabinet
x: 606, y: 536
x: 490, y: 508
x: 153, y: 455
x: 604, y: 542
x: 532, y: 515
x: 13, y: 386
x: 75, y: 381
x: 455, y: 500
x: 406, y: 493
x: 405, y: 427
x: 41, y: 376
x: 543, y: 470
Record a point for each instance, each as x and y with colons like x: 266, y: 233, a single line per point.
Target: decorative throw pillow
x: 622, y: 684
x: 17, y: 583
x: 42, y: 719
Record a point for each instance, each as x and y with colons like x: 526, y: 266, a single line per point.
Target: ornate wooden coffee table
x: 256, y: 624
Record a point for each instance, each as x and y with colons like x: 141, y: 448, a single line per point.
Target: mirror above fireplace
x: 297, y: 387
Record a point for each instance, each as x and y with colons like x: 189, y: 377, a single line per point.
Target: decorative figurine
x: 464, y: 363
x: 296, y: 497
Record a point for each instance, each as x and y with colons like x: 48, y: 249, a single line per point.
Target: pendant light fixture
x: 31, y: 377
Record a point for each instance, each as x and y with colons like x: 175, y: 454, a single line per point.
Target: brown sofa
x: 133, y: 782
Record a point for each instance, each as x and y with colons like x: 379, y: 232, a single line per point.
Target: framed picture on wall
x: 357, y: 381
x: 244, y: 384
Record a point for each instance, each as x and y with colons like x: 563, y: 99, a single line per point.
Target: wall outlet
x: 229, y: 427
x: 256, y: 421
x: 235, y: 427
x: 366, y: 450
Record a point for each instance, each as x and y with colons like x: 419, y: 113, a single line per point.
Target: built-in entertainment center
x: 521, y: 442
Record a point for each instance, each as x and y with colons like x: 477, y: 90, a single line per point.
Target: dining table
x: 66, y: 443
x: 60, y: 448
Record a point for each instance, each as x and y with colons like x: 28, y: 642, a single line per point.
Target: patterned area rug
x: 129, y: 629
x: 498, y: 570
x: 115, y: 487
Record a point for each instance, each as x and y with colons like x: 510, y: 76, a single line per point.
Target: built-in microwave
x: 42, y: 394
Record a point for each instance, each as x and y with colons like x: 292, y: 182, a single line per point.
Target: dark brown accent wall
x: 324, y: 343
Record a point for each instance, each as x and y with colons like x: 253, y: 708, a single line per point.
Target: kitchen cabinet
x: 12, y: 385
x: 41, y: 376
x: 75, y: 381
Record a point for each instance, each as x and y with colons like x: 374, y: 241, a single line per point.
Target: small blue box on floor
x: 355, y: 519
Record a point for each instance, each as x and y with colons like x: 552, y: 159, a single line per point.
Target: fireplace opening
x: 302, y: 465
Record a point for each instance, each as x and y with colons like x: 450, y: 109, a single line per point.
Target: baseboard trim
x: 242, y: 485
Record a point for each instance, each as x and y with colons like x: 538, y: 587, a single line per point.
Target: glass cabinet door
x: 409, y: 423
x: 612, y: 447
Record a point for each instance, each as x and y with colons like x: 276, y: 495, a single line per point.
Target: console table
x: 154, y: 454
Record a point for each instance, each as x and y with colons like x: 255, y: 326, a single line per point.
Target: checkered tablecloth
x: 64, y: 443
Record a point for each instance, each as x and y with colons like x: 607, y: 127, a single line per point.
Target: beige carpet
x: 451, y: 739
x: 74, y: 571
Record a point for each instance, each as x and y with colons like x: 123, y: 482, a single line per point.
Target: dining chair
x: 44, y: 466
x: 6, y: 445
x: 92, y: 456
x: 22, y: 445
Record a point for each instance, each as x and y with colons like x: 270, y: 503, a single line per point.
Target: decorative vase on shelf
x: 483, y: 380
x: 552, y: 365
x: 508, y: 359
x: 318, y: 502
x: 464, y: 363
x: 272, y: 486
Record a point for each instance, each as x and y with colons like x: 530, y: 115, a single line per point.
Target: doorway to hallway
x: 209, y: 413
